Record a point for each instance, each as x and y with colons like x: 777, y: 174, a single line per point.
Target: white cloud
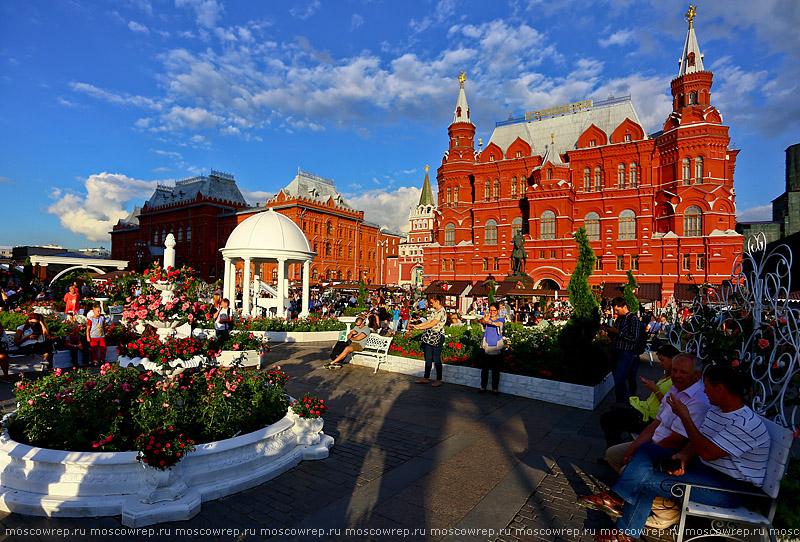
x: 94, y: 213
x: 389, y: 208
x: 305, y: 10
x: 206, y: 11
x: 139, y: 28
x: 112, y: 97
x: 620, y: 37
x: 253, y: 197
x: 356, y: 21
x: 442, y: 13
x: 755, y: 214
x: 66, y: 102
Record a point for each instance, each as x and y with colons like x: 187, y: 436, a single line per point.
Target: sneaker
x: 334, y: 366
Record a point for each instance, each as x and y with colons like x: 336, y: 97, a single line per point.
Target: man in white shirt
x: 667, y: 429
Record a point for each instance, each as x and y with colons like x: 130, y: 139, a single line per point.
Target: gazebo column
x: 304, y: 310
x: 281, y: 287
x: 226, y: 281
x: 230, y: 291
x: 246, y: 288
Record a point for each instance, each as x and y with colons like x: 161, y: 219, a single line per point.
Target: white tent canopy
x: 266, y: 237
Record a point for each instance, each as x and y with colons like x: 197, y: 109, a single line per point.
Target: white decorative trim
x: 42, y: 482
x: 552, y: 391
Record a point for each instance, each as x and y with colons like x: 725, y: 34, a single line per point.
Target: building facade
x: 410, y: 262
x: 203, y: 211
x: 661, y: 205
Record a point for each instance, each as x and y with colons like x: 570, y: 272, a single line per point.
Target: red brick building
x: 203, y: 211
x: 661, y: 205
x: 420, y: 235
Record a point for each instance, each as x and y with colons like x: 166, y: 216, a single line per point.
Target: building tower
x: 420, y: 235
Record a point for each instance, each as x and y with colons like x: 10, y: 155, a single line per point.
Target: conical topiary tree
x: 576, y: 340
x: 491, y: 292
x: 629, y: 293
x: 580, y: 294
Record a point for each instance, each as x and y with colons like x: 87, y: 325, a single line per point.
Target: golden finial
x: 552, y: 138
x: 480, y: 142
x: 427, y: 167
x: 690, y: 15
x: 462, y: 78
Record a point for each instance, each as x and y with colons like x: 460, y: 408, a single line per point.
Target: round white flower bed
x: 43, y: 482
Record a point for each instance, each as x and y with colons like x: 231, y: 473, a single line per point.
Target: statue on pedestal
x: 518, y: 256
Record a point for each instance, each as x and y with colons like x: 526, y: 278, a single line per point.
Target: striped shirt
x: 744, y: 437
x: 629, y: 327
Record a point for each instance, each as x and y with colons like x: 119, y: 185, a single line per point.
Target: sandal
x: 422, y: 381
x: 614, y: 535
x: 603, y: 502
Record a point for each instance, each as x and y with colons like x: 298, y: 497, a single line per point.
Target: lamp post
x: 139, y: 247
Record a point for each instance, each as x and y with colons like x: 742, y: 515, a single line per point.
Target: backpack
x: 641, y: 345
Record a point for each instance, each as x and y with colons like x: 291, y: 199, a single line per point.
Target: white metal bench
x: 376, y: 346
x: 725, y: 519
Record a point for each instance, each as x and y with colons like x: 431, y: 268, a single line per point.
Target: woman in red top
x: 71, y: 298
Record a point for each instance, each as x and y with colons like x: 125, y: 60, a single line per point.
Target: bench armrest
x: 677, y: 490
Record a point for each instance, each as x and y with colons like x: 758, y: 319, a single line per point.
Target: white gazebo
x: 266, y: 237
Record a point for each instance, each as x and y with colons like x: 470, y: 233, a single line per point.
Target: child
x: 96, y: 334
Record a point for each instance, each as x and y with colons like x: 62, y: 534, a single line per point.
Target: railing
x: 603, y: 103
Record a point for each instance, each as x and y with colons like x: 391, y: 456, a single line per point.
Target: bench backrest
x: 377, y: 342
x: 780, y: 444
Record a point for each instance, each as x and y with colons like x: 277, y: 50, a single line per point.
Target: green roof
x: 426, y: 198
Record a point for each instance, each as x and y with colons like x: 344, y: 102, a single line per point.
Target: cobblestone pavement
x: 410, y: 462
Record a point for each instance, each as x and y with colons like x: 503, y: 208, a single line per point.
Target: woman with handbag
x: 433, y: 339
x: 492, y: 345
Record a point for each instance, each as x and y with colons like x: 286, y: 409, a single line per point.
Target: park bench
x: 377, y: 347
x: 19, y: 362
x: 726, y: 518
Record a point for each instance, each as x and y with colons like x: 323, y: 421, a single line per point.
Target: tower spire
x: 461, y: 114
x: 692, y: 59
x: 426, y: 197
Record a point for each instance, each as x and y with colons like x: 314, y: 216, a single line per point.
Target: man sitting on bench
x: 354, y: 342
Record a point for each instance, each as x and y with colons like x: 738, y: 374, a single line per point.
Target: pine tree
x: 361, y: 300
x: 491, y: 292
x: 629, y: 295
x: 580, y: 294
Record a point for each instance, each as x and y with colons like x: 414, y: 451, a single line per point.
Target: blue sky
x: 101, y: 100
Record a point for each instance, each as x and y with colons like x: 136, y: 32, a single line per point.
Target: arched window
x: 328, y: 250
x: 329, y: 228
x: 349, y: 275
x: 180, y: 234
x: 627, y: 225
x: 621, y: 176
x: 189, y: 233
x: 314, y: 274
x: 455, y: 195
x: 687, y: 171
x: 496, y: 190
x: 513, y: 187
x: 155, y: 237
x: 692, y: 98
x: 490, y: 232
x: 341, y: 252
x: 693, y: 222
x: 592, y: 224
x: 634, y: 179
x: 549, y: 174
x: 698, y: 169
x: 598, y: 176
x: 450, y: 235
x: 548, y: 228
x: 587, y: 180
x: 486, y: 191
x: 449, y: 195
x: 516, y: 226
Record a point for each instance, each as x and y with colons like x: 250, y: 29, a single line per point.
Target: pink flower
x: 30, y: 402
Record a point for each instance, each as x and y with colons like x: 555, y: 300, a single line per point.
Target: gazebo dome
x: 268, y: 230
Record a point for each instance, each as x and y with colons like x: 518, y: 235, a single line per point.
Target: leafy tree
x: 361, y: 298
x: 492, y: 291
x: 629, y: 295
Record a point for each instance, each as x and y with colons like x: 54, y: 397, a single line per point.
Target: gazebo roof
x: 268, y: 235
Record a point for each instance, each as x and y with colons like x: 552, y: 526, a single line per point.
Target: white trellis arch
x: 74, y: 267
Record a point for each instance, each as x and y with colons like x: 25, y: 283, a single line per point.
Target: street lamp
x: 382, y: 244
x: 139, y: 246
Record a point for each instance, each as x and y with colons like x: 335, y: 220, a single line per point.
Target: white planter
x: 288, y: 336
x: 176, y: 367
x: 240, y: 358
x: 552, y: 391
x: 42, y: 482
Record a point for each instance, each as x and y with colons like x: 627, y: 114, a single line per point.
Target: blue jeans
x: 433, y: 355
x: 624, y: 366
x: 641, y: 482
